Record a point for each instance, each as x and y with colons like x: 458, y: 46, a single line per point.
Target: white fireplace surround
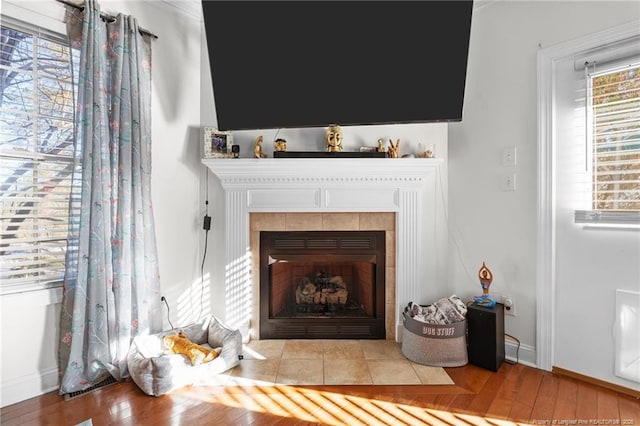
x: 327, y: 185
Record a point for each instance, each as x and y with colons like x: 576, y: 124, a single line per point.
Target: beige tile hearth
x: 330, y: 362
x: 264, y: 349
x: 342, y: 349
x: 302, y: 349
x: 346, y: 372
x: 381, y: 349
x: 300, y: 372
x: 255, y: 371
x: 392, y: 372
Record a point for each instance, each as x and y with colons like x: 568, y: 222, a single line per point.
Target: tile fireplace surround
x: 326, y: 194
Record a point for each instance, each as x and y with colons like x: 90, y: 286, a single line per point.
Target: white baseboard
x: 524, y: 355
x: 29, y: 386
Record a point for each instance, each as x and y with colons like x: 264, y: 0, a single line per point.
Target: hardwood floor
x: 516, y: 394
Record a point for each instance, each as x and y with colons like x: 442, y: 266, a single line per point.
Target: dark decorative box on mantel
x: 326, y: 154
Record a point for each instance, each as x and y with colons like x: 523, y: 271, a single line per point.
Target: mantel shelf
x: 396, y: 171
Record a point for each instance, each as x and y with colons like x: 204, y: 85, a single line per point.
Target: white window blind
x: 612, y: 130
x: 36, y: 153
x: 615, y: 111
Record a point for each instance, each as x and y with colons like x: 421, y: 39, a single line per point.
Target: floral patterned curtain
x: 112, y: 285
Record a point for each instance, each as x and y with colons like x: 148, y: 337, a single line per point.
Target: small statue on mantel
x: 393, y: 149
x: 381, y: 145
x: 333, y: 138
x: 428, y: 153
x: 280, y: 145
x: 486, y: 277
x: 257, y: 149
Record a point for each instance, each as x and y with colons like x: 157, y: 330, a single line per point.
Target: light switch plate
x: 509, y: 182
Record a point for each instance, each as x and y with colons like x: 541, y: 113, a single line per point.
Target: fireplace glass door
x: 322, y: 284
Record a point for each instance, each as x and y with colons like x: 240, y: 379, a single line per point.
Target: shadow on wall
x: 192, y: 148
x: 176, y: 55
x: 176, y: 66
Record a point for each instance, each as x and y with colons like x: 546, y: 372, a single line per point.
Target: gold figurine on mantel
x: 394, y: 148
x: 333, y: 138
x: 280, y: 145
x: 257, y: 149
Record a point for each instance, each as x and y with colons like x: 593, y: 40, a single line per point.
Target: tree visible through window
x: 37, y: 155
x: 616, y: 139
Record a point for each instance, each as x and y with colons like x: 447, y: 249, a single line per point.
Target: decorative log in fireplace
x: 322, y: 284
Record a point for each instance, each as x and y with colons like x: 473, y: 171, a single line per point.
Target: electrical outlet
x: 509, y: 306
x: 507, y: 301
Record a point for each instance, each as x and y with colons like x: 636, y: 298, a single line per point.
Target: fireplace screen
x: 303, y: 289
x: 322, y: 284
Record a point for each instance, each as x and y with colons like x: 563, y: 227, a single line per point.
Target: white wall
x: 488, y: 224
x: 32, y: 318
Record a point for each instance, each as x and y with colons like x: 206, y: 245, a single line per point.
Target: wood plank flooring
x: 515, y: 394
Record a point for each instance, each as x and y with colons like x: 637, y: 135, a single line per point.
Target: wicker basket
x: 441, y: 345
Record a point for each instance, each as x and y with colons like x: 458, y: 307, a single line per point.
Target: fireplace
x: 322, y: 284
x: 300, y: 195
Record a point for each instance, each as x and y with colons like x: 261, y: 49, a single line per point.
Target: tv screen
x: 294, y: 64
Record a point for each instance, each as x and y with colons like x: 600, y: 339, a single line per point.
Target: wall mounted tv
x: 294, y: 64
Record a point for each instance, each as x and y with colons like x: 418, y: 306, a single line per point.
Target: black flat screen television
x: 295, y: 64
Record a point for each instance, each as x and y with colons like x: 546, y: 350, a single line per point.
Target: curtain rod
x: 106, y: 16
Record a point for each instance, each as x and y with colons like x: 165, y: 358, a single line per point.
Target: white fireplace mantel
x: 291, y: 171
x: 326, y: 185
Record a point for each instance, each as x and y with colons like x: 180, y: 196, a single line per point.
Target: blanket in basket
x: 447, y: 310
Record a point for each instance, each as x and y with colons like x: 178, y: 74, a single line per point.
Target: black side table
x: 485, y: 328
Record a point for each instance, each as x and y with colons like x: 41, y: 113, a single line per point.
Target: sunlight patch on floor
x: 332, y: 408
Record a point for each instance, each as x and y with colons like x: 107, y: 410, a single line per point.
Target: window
x: 36, y: 154
x: 613, y: 140
x: 615, y: 111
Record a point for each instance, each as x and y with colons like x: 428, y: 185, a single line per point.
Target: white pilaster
x: 238, y: 262
x: 406, y: 252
